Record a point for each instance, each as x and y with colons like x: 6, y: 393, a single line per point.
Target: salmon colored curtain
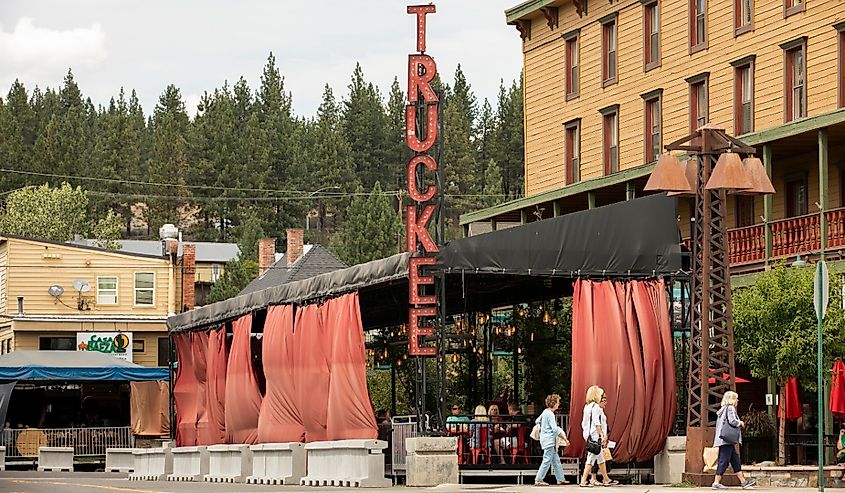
x: 622, y: 341
x: 149, y: 408
x: 217, y: 357
x: 347, y: 364
x: 311, y: 372
x: 184, y: 392
x: 280, y: 419
x: 199, y: 342
x: 243, y: 397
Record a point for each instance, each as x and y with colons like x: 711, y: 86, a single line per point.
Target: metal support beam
x: 767, y: 204
x: 823, y: 192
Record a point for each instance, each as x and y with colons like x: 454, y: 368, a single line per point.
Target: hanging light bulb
x: 519, y: 350
x: 405, y: 356
x: 454, y: 358
x: 546, y: 317
x: 399, y: 362
x: 521, y: 312
x: 554, y: 321
x: 532, y: 337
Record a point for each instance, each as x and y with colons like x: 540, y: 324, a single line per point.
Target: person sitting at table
x: 840, y: 445
x: 479, y: 421
x: 510, y: 431
x: 454, y: 418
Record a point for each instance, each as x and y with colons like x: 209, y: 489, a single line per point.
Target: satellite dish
x: 81, y: 286
x: 55, y: 290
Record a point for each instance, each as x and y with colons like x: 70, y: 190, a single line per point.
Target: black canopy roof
x: 526, y: 263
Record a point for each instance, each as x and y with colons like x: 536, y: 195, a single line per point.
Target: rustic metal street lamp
x: 720, y: 169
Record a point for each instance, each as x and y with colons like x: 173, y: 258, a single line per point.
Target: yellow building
x: 60, y: 296
x: 607, y: 84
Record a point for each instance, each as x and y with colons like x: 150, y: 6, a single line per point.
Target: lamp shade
x: 690, y: 167
x: 760, y: 182
x: 667, y: 176
x: 728, y: 174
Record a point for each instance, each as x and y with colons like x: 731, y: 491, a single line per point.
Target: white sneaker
x: 719, y: 486
x: 749, y: 483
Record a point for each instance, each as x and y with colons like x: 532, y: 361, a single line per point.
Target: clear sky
x: 197, y: 44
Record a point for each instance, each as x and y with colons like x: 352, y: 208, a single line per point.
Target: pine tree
x: 463, y: 181
x: 492, y: 186
x: 486, y: 127
x: 398, y: 153
x: 508, y: 139
x: 17, y: 137
x: 365, y: 129
x: 371, y: 230
x: 46, y: 213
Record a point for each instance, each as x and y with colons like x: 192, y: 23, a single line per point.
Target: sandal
x: 563, y: 482
x: 540, y: 483
x: 612, y: 482
x: 585, y: 485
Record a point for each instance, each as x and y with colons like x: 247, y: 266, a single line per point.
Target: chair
x: 520, y: 447
x: 483, y: 445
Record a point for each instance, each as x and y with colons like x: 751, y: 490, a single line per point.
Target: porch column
x: 555, y: 208
x: 523, y: 216
x: 767, y: 203
x: 591, y: 200
x: 630, y: 191
x: 493, y: 224
x: 823, y: 198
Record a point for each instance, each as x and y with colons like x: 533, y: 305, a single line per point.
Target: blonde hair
x: 480, y: 413
x: 594, y: 394
x: 551, y: 400
x: 730, y: 398
x: 491, y: 408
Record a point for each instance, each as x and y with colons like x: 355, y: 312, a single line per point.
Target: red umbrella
x: 837, y: 390
x: 726, y: 377
x: 793, y: 403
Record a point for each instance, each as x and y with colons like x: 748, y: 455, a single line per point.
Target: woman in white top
x: 594, y: 426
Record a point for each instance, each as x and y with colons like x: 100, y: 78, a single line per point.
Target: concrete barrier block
x: 2, y: 458
x: 277, y: 463
x: 151, y: 464
x: 119, y: 460
x: 228, y: 463
x: 431, y: 461
x: 346, y: 463
x: 669, y: 463
x: 189, y: 463
x: 55, y: 459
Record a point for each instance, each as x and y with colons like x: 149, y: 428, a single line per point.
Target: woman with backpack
x: 549, y: 432
x: 594, y: 429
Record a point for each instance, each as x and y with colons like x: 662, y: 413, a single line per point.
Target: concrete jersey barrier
x: 229, y: 463
x: 277, y: 463
x: 346, y: 463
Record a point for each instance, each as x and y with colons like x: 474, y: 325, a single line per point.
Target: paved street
x: 43, y: 482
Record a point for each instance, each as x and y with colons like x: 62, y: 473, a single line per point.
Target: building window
x: 573, y: 152
x: 841, y: 32
x: 608, y: 43
x: 743, y: 16
x: 145, y: 288
x: 138, y: 346
x: 698, y: 25
x: 57, y: 343
x: 792, y: 7
x: 8, y: 345
x: 796, y: 197
x: 610, y: 139
x: 651, y: 35
x: 572, y: 67
x: 106, y: 290
x: 699, y: 106
x: 163, y: 351
x: 744, y: 211
x: 795, y: 89
x: 744, y: 96
x: 215, y: 272
x: 653, y: 124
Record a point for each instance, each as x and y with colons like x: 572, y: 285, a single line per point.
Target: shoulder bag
x: 730, y: 434
x: 593, y: 446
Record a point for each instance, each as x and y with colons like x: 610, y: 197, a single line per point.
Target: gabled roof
x: 316, y: 260
x: 207, y: 251
x: 70, y: 244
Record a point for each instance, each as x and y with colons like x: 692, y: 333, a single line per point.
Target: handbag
x: 730, y: 434
x: 607, y: 454
x: 535, y: 432
x: 593, y: 446
x: 562, y: 440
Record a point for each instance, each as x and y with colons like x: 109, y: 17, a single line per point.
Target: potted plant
x: 758, y: 436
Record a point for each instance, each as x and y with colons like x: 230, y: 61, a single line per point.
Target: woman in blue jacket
x: 549, y: 431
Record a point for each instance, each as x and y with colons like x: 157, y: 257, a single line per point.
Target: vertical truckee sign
x: 421, y: 123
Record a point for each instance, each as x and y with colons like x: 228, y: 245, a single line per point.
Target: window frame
x: 609, y: 32
x: 610, y: 127
x: 739, y: 27
x: 800, y: 178
x: 215, y: 276
x: 792, y: 7
x: 789, y: 50
x: 745, y: 63
x: 166, y: 352
x: 694, y: 45
x: 135, y: 290
x: 742, y: 201
x: 42, y: 339
x: 696, y: 82
x: 649, y: 7
x: 652, y: 101
x: 139, y: 346
x: 572, y: 134
x: 840, y: 33
x: 116, y: 290
x: 572, y: 40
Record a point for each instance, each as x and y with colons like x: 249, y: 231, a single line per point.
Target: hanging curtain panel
x: 199, y: 342
x: 184, y: 392
x: 243, y: 397
x: 217, y: 358
x: 347, y: 361
x: 280, y: 420
x: 311, y: 372
x: 149, y: 408
x: 621, y: 341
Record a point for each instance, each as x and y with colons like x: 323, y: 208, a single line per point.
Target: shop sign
x: 118, y: 344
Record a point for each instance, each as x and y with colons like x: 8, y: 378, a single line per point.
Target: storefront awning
x: 73, y: 365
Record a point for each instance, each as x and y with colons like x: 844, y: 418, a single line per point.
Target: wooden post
x: 523, y: 216
x: 555, y: 208
x: 591, y: 200
x: 823, y: 193
x: 767, y: 204
x: 493, y: 224
x: 630, y: 191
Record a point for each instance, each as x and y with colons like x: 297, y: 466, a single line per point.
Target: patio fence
x: 86, y: 442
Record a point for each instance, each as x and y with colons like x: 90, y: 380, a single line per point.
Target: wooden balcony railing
x: 747, y: 244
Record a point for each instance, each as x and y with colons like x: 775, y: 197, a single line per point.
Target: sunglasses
x: 456, y: 409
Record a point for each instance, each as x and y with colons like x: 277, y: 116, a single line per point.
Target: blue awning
x: 74, y: 365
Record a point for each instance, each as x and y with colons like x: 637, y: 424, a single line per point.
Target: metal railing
x: 402, y: 428
x: 86, y: 442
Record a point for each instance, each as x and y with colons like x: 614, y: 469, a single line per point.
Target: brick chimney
x: 266, y: 254
x: 295, y: 244
x: 189, y: 269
